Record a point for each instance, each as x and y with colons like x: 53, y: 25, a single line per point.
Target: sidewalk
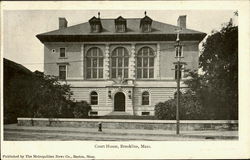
x: 209, y: 134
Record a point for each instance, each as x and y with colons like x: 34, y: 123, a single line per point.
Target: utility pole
x: 178, y: 69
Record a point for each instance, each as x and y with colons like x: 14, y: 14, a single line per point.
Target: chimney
x: 63, y: 23
x: 181, y: 22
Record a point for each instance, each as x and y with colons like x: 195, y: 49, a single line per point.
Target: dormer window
x: 145, y: 23
x: 95, y: 28
x: 120, y: 24
x: 120, y: 28
x: 95, y: 24
x: 146, y: 28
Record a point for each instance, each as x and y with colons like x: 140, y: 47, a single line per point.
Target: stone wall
x: 187, y: 125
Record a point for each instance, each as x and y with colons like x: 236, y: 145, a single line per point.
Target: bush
x: 81, y: 109
x: 190, y: 108
x: 165, y: 110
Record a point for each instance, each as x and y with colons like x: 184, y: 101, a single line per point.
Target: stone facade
x: 159, y: 87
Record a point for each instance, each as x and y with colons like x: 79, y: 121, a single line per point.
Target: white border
x: 187, y: 149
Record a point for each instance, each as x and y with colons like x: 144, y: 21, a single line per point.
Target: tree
x: 190, y: 108
x: 81, y: 109
x: 33, y: 94
x: 217, y: 87
x: 47, y: 97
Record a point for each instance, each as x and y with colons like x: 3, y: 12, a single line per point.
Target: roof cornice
x: 119, y: 37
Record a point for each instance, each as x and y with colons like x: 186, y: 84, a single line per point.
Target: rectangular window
x: 100, y: 62
x: 151, y: 73
x: 125, y: 62
x: 151, y: 62
x: 93, y: 113
x: 120, y: 28
x: 89, y: 73
x: 145, y: 73
x: 95, y: 28
x: 113, y: 73
x: 176, y: 71
x: 120, y: 62
x: 145, y: 62
x: 139, y: 63
x: 62, y: 72
x: 62, y: 52
x: 94, y: 73
x: 89, y: 62
x: 146, y: 28
x: 120, y: 72
x: 113, y: 62
x: 125, y: 73
x: 100, y: 73
x: 145, y: 113
x: 139, y: 73
x: 94, y: 62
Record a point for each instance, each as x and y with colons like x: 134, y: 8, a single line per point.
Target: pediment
x: 120, y: 19
x: 94, y: 20
x: 146, y: 19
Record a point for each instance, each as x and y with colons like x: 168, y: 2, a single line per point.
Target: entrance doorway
x: 119, y: 102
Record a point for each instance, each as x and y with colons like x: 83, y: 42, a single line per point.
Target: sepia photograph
x: 111, y: 78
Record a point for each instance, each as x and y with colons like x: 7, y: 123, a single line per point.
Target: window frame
x: 95, y: 28
x: 59, y: 71
x: 91, y: 58
x: 146, y: 27
x: 117, y: 67
x: 145, y: 113
x: 142, y: 67
x: 143, y: 96
x: 120, y: 28
x: 91, y: 98
x: 64, y: 52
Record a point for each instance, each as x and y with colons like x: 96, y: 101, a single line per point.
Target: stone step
x: 117, y: 113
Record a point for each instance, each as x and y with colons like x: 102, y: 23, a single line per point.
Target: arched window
x: 145, y: 98
x: 93, y: 98
x: 145, y: 63
x: 119, y: 63
x: 94, y: 61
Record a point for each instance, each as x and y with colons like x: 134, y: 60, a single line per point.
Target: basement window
x: 93, y: 113
x: 145, y: 113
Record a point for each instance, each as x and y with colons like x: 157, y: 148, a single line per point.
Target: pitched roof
x: 108, y: 28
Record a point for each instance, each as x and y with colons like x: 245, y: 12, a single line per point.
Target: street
x: 34, y: 133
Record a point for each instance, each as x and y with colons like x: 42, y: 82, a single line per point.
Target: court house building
x: 121, y: 65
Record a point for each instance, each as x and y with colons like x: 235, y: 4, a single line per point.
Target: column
x: 157, y: 62
x: 106, y: 62
x: 82, y: 63
x: 132, y: 63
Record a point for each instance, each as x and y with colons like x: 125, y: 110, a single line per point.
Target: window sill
x: 95, y: 79
x: 63, y: 57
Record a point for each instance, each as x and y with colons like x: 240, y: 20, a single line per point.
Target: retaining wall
x: 188, y: 125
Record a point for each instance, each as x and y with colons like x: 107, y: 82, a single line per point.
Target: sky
x: 21, y: 27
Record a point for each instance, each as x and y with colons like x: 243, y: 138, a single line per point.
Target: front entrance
x: 119, y: 102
